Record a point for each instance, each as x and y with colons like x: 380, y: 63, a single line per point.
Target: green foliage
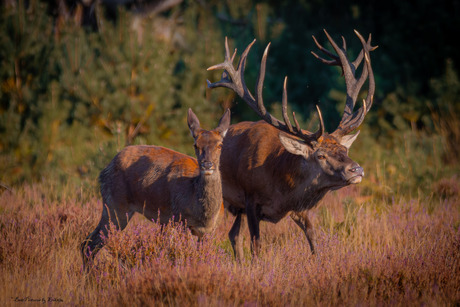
x: 71, y: 98
x: 204, y: 47
x: 99, y: 92
x: 115, y: 80
x: 446, y: 110
x: 117, y: 86
x: 25, y: 75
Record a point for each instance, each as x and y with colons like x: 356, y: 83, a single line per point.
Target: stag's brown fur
x: 273, y: 168
x: 262, y: 179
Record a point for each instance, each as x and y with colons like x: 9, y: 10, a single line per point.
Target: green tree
x: 26, y: 73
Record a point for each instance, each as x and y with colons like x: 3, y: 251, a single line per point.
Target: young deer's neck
x: 209, y: 196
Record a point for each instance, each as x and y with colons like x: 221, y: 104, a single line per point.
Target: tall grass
x: 370, y: 252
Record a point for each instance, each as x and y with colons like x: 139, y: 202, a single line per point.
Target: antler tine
x: 354, y: 121
x: 344, y: 44
x: 335, y: 61
x: 367, y: 48
x: 295, y: 130
x: 240, y: 72
x: 348, y: 71
x: 228, y: 62
x: 227, y: 52
x: 287, y: 126
x: 297, y: 126
x: 262, y: 111
x: 260, y: 84
x: 320, y: 131
x: 360, y: 57
x: 234, y: 80
x: 350, y: 121
x: 284, y: 107
x: 227, y: 66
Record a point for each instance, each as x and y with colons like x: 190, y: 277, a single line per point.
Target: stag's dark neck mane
x: 292, y: 170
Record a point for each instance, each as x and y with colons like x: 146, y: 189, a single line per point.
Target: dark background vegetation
x: 81, y: 80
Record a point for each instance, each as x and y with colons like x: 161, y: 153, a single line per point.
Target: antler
x: 350, y: 121
x: 234, y: 79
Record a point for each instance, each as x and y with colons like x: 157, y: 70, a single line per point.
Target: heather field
x: 370, y: 252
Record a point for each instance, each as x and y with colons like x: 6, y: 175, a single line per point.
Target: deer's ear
x: 294, y: 145
x: 224, y: 123
x: 193, y: 123
x: 347, y: 140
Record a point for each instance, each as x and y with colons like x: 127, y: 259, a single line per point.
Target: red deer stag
x: 159, y: 182
x: 272, y: 168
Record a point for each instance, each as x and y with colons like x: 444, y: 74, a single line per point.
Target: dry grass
x: 369, y: 253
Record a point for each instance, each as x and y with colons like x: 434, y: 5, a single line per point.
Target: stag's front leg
x: 236, y: 239
x: 253, y: 224
x: 301, y: 219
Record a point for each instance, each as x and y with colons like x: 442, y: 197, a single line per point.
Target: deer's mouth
x: 355, y: 174
x: 207, y: 172
x: 355, y: 179
x: 207, y: 168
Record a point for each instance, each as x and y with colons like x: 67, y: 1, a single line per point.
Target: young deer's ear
x: 224, y: 123
x: 294, y: 146
x: 347, y: 140
x: 193, y: 123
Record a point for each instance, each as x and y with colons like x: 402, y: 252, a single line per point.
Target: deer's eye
x: 321, y: 157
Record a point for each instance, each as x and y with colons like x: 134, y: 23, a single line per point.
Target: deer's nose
x: 207, y: 165
x: 356, y: 169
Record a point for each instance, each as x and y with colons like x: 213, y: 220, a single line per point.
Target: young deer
x: 272, y: 168
x: 161, y: 183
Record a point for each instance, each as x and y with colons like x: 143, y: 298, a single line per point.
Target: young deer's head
x: 208, y: 144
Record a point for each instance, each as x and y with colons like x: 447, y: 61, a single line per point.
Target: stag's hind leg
x: 94, y: 242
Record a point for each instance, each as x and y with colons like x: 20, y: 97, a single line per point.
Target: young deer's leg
x: 94, y: 242
x: 301, y: 219
x: 253, y: 224
x: 235, y: 236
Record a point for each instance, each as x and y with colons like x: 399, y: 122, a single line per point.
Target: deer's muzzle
x: 207, y: 167
x: 354, y: 174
